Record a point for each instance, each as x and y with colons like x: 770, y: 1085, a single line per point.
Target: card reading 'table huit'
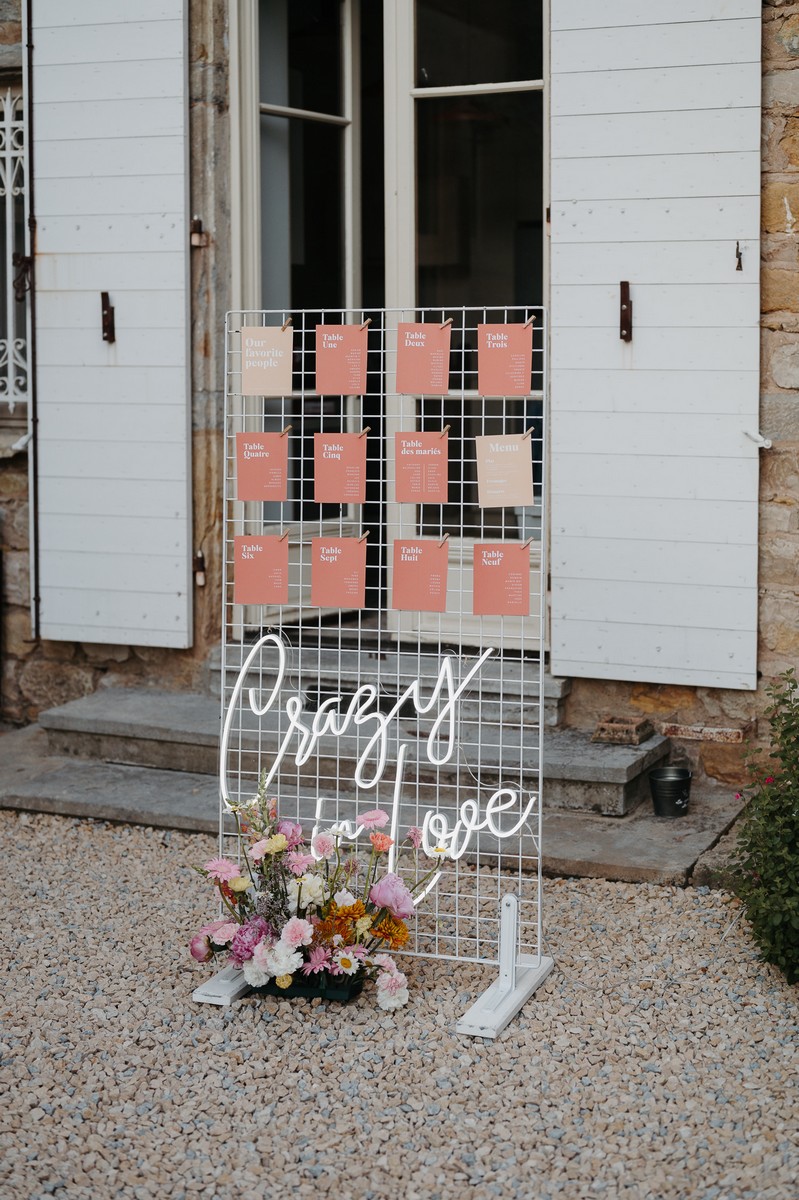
x: 419, y: 581
x: 501, y: 579
x: 260, y: 570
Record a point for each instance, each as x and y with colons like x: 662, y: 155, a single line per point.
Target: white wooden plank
x: 104, y: 81
x: 74, y: 420
x: 109, y: 385
x: 623, y: 391
x: 142, y: 535
x: 675, y: 45
x: 712, y: 131
x: 668, y: 605
x: 651, y: 519
x: 711, y: 658
x: 82, y: 347
x: 144, y: 461
x: 599, y: 472
x: 676, y: 220
x: 56, y: 14
x: 104, y: 272
x: 671, y: 306
x: 130, y: 610
x: 133, y: 310
x: 658, y: 89
x: 162, y: 117
x: 87, y: 157
x: 648, y: 176
x: 115, y: 497
x: 588, y: 14
x: 656, y: 350
x: 684, y: 263
x: 113, y: 197
x: 703, y: 563
x: 68, y: 46
x: 119, y: 572
x: 152, y: 232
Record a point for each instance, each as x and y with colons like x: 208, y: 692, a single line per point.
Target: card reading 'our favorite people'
x: 266, y: 360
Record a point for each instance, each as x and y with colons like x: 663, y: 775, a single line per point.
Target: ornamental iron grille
x: 14, y: 307
x: 436, y: 717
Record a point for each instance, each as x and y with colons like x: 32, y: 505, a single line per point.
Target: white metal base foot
x: 499, y: 1004
x: 222, y: 988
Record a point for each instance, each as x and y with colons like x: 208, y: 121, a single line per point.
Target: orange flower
x: 392, y: 931
x: 381, y: 842
x: 339, y: 922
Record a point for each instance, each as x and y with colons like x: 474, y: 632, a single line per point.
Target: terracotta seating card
x: 339, y: 468
x: 261, y: 570
x: 338, y: 572
x: 262, y: 466
x: 422, y: 467
x: 504, y: 360
x: 423, y: 359
x: 420, y: 575
x: 341, y: 360
x: 501, y: 579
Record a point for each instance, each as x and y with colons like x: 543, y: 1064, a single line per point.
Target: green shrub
x: 765, y: 868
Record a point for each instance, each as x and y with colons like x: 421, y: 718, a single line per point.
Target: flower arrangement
x: 298, y: 911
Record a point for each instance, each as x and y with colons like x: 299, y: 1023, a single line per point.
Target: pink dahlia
x: 299, y: 863
x: 374, y: 819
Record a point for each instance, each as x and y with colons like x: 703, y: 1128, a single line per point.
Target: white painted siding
x: 111, y: 194
x: 655, y: 141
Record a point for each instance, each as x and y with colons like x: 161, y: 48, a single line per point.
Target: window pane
x: 301, y: 54
x: 480, y: 199
x: 471, y: 41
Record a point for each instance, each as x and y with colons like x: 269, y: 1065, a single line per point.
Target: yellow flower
x: 239, y: 884
x: 276, y: 844
x: 363, y: 924
x: 283, y: 981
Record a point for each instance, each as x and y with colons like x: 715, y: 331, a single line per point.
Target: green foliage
x: 766, y: 863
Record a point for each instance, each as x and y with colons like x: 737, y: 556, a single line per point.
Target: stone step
x: 639, y: 848
x: 180, y: 732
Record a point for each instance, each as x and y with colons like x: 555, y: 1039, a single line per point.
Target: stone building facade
x: 708, y: 725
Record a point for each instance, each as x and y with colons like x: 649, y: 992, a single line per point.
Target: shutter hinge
x: 23, y: 280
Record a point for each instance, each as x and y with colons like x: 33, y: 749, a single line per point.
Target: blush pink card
x: 262, y: 466
x: 422, y: 467
x: 339, y: 468
x: 420, y: 575
x: 504, y: 360
x: 423, y: 359
x: 504, y: 471
x: 338, y: 572
x: 260, y: 570
x: 341, y: 360
x: 501, y: 579
x: 266, y: 360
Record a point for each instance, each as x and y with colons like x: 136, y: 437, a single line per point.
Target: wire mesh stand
x: 519, y: 976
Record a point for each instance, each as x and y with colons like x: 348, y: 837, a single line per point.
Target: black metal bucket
x: 671, y: 789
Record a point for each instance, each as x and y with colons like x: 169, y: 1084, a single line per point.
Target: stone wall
x: 733, y: 712
x: 36, y: 676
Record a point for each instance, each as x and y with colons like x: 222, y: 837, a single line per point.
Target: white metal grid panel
x: 655, y: 180
x: 110, y: 119
x: 331, y: 654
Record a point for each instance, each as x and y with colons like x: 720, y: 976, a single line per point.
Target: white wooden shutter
x: 655, y: 142
x: 110, y: 176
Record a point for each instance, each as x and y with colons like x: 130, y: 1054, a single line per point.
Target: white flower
x: 255, y: 975
x: 313, y: 889
x: 347, y: 961
x: 344, y: 898
x: 389, y: 1000
x: 281, y: 959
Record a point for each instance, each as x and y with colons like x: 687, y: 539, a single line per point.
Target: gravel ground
x: 658, y: 1060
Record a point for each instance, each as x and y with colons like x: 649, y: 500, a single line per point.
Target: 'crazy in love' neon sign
x: 362, y: 709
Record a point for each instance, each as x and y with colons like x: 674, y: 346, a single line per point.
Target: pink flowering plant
x: 299, y: 914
